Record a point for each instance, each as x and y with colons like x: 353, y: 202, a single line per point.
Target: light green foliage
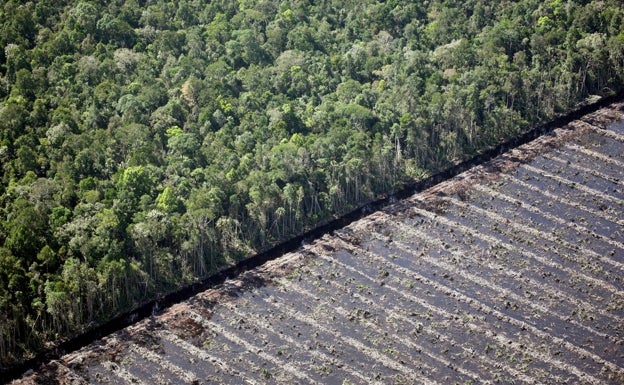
x: 135, y: 180
x: 167, y: 201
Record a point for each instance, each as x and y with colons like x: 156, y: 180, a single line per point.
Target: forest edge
x: 154, y: 306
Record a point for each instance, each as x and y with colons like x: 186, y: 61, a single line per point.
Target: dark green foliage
x: 144, y: 145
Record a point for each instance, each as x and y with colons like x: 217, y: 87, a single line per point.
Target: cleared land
x: 512, y: 272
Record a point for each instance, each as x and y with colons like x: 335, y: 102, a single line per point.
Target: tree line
x: 145, y: 144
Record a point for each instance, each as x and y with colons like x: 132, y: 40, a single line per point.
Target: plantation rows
x: 518, y: 279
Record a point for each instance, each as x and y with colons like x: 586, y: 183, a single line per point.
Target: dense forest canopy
x: 146, y: 143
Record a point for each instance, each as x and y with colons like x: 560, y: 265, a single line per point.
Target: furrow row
x: 567, y: 182
x: 596, y: 155
x: 470, y: 253
x: 121, y: 373
x: 163, y: 362
x: 559, y: 198
x: 609, y: 134
x: 478, y: 305
x: 512, y: 228
x: 205, y: 356
x: 487, y: 283
x: 282, y: 304
x: 406, y: 342
x: 252, y: 348
x: 586, y: 170
x: 371, y: 353
x: 526, y: 229
x: 574, y: 226
x: 499, y: 336
x: 315, y: 353
x: 580, y: 351
x: 397, y: 313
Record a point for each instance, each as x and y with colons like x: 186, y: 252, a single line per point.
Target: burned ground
x: 512, y: 272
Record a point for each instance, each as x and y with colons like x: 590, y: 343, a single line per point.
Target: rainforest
x: 147, y: 144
